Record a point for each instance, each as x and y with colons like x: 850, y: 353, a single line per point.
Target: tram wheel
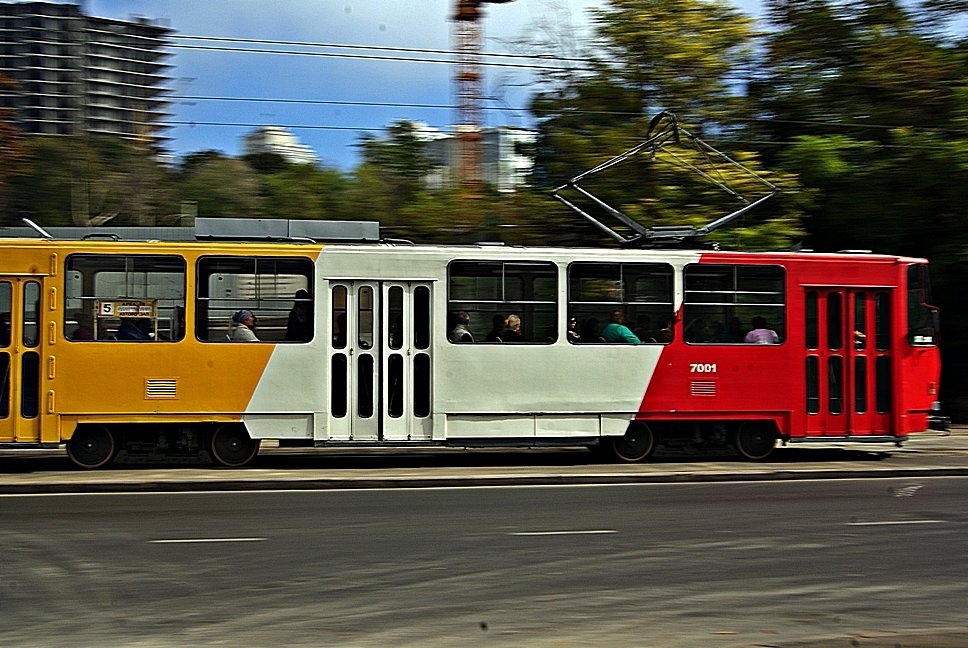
x: 637, y: 444
x: 755, y: 440
x: 231, y: 446
x: 91, y: 446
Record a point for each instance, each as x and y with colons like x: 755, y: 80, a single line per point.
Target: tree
x: 684, y: 56
x: 90, y: 181
x: 220, y: 186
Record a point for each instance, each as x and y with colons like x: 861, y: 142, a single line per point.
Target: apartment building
x: 76, y: 73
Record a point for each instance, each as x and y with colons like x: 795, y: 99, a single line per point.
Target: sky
x: 332, y: 130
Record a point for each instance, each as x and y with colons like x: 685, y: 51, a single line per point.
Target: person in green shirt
x: 616, y: 331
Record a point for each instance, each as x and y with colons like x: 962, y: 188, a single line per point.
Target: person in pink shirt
x: 761, y: 333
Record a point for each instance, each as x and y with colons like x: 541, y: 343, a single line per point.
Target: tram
x: 126, y: 346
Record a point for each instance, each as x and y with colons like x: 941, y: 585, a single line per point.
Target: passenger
x: 499, y: 324
x: 665, y: 334
x: 616, y: 331
x: 513, y: 332
x: 643, y: 324
x: 83, y: 330
x: 134, y: 330
x: 242, y: 328
x: 461, y: 333
x: 761, y: 333
x: 573, y: 335
x: 589, y: 332
x: 299, y: 328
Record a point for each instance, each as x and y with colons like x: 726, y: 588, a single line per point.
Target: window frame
x: 270, y: 301
x: 526, y: 302
x: 585, y: 310
x: 730, y: 307
x: 152, y: 304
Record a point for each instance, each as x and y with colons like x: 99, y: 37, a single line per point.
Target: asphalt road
x: 871, y: 563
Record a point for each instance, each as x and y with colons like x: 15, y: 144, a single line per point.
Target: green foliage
x: 221, y: 187
x: 89, y: 181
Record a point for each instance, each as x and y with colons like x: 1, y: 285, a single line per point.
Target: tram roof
x: 365, y: 235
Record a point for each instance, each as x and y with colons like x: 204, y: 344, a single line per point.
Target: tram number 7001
x: 698, y: 367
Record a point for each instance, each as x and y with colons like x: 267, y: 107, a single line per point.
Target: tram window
x: 338, y: 385
x: 642, y: 292
x: 266, y: 286
x: 813, y: 384
x: 421, y: 385
x: 339, y: 317
x: 144, y: 294
x: 721, y: 302
x: 31, y: 314
x: 6, y: 302
x: 812, y: 332
x: 860, y: 321
x: 364, y: 313
x: 396, y: 328
x: 921, y: 315
x: 882, y: 321
x: 860, y: 384
x: 395, y: 385
x: 490, y: 291
x: 835, y: 385
x: 835, y: 319
x: 4, y: 385
x: 421, y: 317
x: 882, y: 379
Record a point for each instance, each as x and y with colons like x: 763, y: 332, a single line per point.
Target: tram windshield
x: 923, y: 320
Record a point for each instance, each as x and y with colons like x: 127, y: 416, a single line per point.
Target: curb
x: 359, y: 483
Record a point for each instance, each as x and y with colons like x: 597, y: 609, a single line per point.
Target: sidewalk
x: 924, y: 455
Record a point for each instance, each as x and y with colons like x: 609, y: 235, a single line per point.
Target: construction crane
x: 469, y: 87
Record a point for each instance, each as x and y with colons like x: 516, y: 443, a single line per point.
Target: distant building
x: 508, y: 157
x: 81, y: 74
x: 278, y: 140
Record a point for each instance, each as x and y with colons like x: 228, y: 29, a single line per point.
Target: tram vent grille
x: 161, y: 388
x: 702, y: 388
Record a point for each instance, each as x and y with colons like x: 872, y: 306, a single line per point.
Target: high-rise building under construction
x: 76, y: 74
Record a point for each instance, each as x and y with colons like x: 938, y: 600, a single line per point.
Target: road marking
x: 559, y: 533
x: 895, y: 522
x: 198, y: 540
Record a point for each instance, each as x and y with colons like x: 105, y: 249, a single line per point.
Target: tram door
x: 848, y: 361
x: 20, y: 342
x: 380, y: 361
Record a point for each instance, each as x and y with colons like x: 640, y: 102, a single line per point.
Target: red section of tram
x: 825, y: 379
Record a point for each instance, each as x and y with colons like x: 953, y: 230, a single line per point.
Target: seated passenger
x: 242, y: 328
x: 461, y: 333
x: 134, y: 330
x: 616, y: 331
x: 761, y: 333
x: 498, y: 325
x: 299, y: 328
x: 513, y: 332
x: 83, y: 330
x: 573, y: 336
x: 589, y: 332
